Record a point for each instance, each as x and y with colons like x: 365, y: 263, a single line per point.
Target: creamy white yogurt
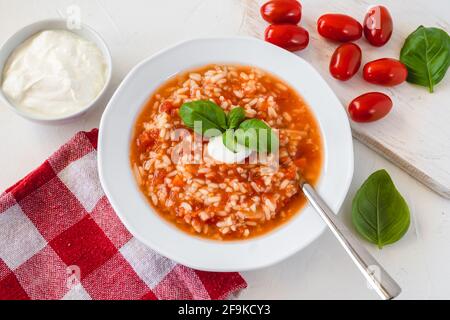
x: 54, y: 73
x: 219, y: 152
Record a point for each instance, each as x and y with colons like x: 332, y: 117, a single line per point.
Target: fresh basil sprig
x: 229, y: 140
x: 379, y: 212
x: 206, y: 112
x: 255, y: 134
x: 235, y: 117
x: 426, y: 54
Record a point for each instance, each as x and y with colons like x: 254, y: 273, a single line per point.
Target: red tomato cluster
x: 284, y: 15
x: 283, y: 31
x: 346, y: 60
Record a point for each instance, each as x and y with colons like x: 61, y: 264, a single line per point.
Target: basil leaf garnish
x: 229, y: 140
x: 208, y: 115
x: 256, y: 135
x: 208, y: 119
x: 426, y: 54
x: 235, y: 117
x: 379, y: 212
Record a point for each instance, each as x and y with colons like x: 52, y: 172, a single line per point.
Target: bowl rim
x: 186, y: 261
x: 32, y: 29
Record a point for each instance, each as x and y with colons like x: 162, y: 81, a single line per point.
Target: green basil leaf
x: 229, y: 140
x: 379, y: 212
x: 235, y: 117
x: 426, y: 54
x: 257, y: 136
x: 207, y: 114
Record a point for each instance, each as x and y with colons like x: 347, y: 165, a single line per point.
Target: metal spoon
x: 380, y: 280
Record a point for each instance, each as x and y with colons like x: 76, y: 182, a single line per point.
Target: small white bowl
x: 26, y: 32
x: 135, y: 212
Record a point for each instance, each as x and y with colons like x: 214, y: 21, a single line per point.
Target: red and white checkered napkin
x: 56, y: 227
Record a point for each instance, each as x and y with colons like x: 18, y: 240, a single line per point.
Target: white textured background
x: 135, y: 29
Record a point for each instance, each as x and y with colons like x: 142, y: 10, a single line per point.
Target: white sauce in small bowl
x: 54, y: 73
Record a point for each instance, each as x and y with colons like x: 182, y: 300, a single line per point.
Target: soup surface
x: 215, y: 199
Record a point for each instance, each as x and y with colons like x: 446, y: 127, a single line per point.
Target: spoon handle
x: 380, y: 280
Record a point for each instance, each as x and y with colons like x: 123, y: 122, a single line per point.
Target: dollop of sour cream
x: 54, y: 73
x: 219, y: 152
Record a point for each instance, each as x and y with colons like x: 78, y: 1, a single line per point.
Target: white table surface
x: 134, y: 29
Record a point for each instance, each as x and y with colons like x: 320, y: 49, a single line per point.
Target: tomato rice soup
x: 219, y: 200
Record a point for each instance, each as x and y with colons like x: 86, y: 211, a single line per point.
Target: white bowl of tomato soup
x: 203, y: 212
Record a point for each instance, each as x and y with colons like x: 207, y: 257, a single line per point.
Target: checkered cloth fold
x: 60, y: 239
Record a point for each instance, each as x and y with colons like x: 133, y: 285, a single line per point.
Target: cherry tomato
x: 282, y: 11
x: 166, y: 106
x: 147, y: 139
x: 370, y: 107
x: 287, y: 36
x: 378, y: 26
x: 339, y: 27
x: 345, y: 61
x: 386, y: 72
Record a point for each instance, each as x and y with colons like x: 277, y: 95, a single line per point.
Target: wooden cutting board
x: 416, y: 134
